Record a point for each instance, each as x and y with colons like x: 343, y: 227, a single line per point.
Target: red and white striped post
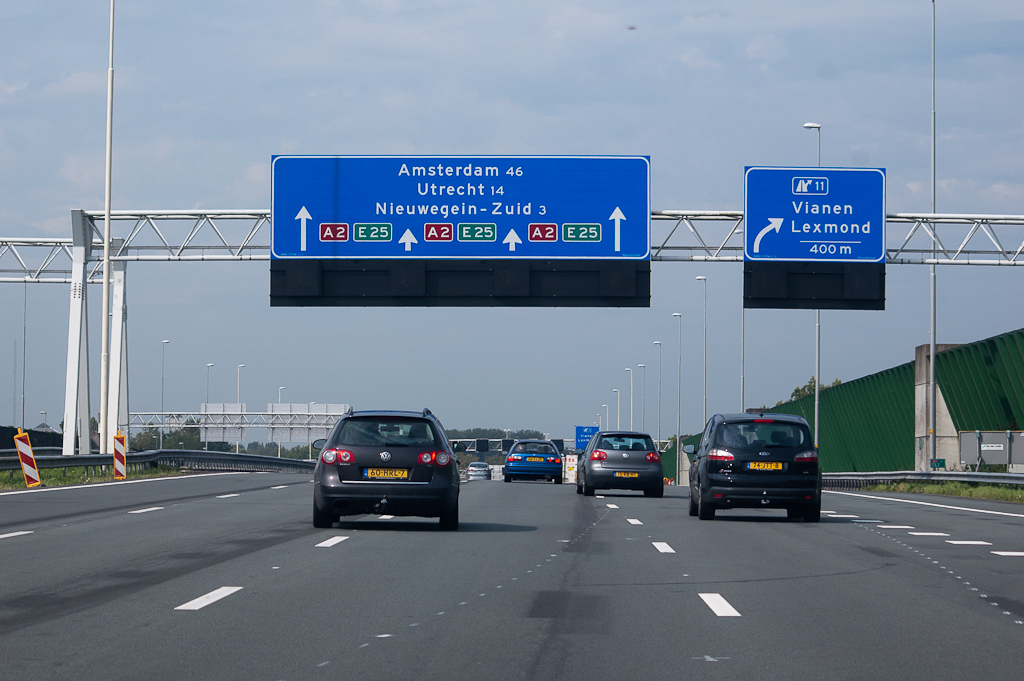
x: 28, y: 459
x: 120, y: 465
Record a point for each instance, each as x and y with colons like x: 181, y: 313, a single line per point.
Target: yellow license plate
x: 386, y: 474
x: 535, y: 458
x: 764, y: 465
x: 624, y: 474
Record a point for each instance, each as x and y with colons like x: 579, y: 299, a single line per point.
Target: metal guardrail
x: 193, y: 460
x: 842, y: 481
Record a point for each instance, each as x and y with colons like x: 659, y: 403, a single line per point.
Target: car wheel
x: 579, y: 489
x: 794, y: 513
x: 657, y: 492
x: 508, y: 478
x: 321, y: 518
x: 812, y: 513
x: 705, y: 511
x: 449, y: 522
x: 558, y: 480
x: 588, y: 491
x: 693, y: 504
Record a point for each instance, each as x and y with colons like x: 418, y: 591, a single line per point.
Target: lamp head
x: 812, y: 126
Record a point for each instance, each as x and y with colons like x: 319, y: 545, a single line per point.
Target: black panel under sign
x: 813, y: 286
x: 460, y: 283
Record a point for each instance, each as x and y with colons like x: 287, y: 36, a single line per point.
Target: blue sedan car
x: 534, y: 460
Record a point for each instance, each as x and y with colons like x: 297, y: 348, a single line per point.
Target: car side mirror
x: 319, y: 444
x: 688, y: 449
x: 460, y: 447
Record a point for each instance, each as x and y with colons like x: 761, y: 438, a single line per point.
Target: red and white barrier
x: 28, y: 459
x: 120, y: 466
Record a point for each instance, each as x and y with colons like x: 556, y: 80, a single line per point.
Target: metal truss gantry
x: 243, y: 235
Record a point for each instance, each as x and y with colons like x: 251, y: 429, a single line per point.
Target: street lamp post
x: 279, y: 402
x: 618, y: 409
x: 704, y: 408
x: 599, y: 421
x: 163, y: 417
x: 607, y: 418
x: 630, y: 370
x: 679, y: 399
x: 658, y: 343
x: 105, y: 318
x: 238, y: 398
x: 932, y: 451
x: 643, y: 397
x: 206, y: 441
x: 44, y: 417
x: 817, y: 324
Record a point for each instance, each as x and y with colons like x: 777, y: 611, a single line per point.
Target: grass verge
x: 57, y: 477
x: 955, y: 489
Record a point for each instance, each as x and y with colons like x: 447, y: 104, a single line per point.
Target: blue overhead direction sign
x: 583, y: 435
x: 814, y: 214
x: 451, y: 207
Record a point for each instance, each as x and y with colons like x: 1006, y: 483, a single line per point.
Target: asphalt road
x: 102, y: 582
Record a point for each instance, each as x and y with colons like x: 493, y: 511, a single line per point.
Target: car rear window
x: 389, y: 432
x: 763, y: 434
x: 634, y: 443
x: 478, y: 464
x: 534, y: 448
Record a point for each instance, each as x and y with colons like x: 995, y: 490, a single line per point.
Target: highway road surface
x: 223, y: 577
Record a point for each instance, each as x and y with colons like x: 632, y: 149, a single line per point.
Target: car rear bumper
x: 430, y: 499
x: 534, y: 470
x: 606, y: 478
x: 782, y: 494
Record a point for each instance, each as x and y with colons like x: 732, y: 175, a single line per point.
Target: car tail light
x: 514, y: 457
x: 809, y: 455
x: 345, y: 456
x: 653, y: 456
x: 441, y: 458
x: 719, y: 455
x: 554, y: 459
x: 598, y: 455
x: 330, y: 456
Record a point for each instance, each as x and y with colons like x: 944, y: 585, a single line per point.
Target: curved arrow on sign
x: 773, y: 223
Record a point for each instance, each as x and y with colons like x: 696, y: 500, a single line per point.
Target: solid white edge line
x: 328, y: 543
x: 147, y: 510
x: 228, y: 496
x: 927, y: 503
x: 633, y: 521
x: 16, y: 534
x: 968, y: 542
x: 120, y: 482
x: 719, y: 605
x: 207, y: 599
x: 279, y: 487
x: 663, y: 547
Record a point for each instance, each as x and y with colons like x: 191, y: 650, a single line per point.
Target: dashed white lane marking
x: 968, y: 542
x: 384, y: 636
x: 896, y: 527
x: 928, y: 534
x: 212, y: 597
x: 633, y: 521
x: 228, y: 496
x: 719, y: 605
x: 599, y: 497
x: 328, y: 543
x: 837, y: 515
x: 279, y: 487
x: 386, y: 517
x: 1010, y: 554
x: 147, y: 510
x: 15, y: 534
x: 927, y: 503
x: 611, y: 505
x: 865, y: 521
x: 663, y: 547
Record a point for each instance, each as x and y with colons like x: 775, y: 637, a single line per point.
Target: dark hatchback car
x: 756, y: 461
x: 533, y: 460
x: 620, y: 460
x: 393, y: 462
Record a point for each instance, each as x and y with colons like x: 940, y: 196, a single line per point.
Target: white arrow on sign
x: 303, y: 216
x: 617, y: 216
x: 408, y: 239
x: 773, y: 223
x: 512, y: 239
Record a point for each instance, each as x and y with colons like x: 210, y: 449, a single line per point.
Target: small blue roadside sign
x: 583, y: 435
x: 484, y: 207
x: 814, y: 214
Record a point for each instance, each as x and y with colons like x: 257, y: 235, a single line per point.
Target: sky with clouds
x: 206, y: 92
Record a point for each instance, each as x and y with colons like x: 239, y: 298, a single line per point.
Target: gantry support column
x: 118, y: 397
x: 76, y: 386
